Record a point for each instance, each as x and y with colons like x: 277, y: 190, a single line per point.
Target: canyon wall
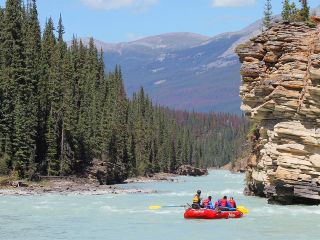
x: 280, y: 93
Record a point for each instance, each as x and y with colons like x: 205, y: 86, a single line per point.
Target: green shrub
x: 7, y: 180
x: 311, y: 24
x: 252, y: 129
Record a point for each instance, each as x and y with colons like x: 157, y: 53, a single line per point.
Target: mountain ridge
x: 171, y: 72
x: 201, y: 74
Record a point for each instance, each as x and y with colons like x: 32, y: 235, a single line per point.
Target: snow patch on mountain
x: 157, y: 70
x: 162, y: 57
x: 160, y: 82
x: 220, y: 63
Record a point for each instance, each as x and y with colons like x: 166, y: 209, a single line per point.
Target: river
x: 127, y: 217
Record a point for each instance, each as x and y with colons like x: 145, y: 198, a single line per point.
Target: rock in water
x: 187, y: 170
x: 280, y: 92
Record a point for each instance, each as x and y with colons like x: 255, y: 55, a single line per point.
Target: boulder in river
x: 19, y: 183
x: 188, y: 170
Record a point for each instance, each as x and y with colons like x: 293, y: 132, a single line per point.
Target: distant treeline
x: 219, y: 138
x: 59, y: 110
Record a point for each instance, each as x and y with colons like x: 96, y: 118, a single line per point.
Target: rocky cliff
x: 280, y: 92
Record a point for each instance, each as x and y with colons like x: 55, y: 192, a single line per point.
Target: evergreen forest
x: 59, y: 110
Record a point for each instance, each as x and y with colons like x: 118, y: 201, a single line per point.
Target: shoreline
x: 159, y: 177
x: 106, y: 190
x: 81, y: 186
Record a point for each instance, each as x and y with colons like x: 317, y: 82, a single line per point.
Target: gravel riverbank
x: 79, y: 186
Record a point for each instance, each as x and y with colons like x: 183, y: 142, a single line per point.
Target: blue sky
x: 126, y: 20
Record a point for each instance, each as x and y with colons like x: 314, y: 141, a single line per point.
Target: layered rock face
x: 280, y: 92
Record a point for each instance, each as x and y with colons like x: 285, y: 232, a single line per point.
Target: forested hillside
x: 220, y: 137
x: 59, y: 110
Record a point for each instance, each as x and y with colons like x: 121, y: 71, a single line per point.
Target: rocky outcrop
x: 106, y: 173
x: 280, y: 92
x: 187, y: 170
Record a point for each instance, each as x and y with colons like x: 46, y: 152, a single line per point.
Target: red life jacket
x: 206, y: 202
x: 232, y: 203
x: 223, y: 202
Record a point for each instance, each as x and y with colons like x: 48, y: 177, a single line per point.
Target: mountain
x: 183, y: 70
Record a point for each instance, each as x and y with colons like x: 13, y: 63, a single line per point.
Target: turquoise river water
x: 126, y: 216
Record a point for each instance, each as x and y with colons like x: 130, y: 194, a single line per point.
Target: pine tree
x: 14, y: 81
x: 294, y: 16
x: 100, y: 98
x: 267, y: 14
x: 93, y: 96
x: 2, y: 66
x: 32, y: 61
x: 81, y: 148
x: 55, y: 132
x: 131, y: 144
x: 305, y: 10
x: 67, y: 160
x: 47, y: 49
x: 290, y: 12
x: 119, y: 124
x: 66, y: 109
x: 74, y: 102
x: 286, y: 10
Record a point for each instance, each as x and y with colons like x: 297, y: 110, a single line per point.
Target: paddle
x: 155, y: 207
x: 243, y: 209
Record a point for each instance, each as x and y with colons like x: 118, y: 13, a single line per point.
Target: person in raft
x: 196, y: 202
x: 232, y: 203
x: 224, y: 204
x: 207, y: 203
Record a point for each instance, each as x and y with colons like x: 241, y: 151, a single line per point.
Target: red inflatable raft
x: 211, y: 214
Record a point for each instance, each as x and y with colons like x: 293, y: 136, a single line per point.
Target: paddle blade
x: 243, y: 209
x: 155, y: 207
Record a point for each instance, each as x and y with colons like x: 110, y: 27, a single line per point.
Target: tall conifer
x: 55, y: 134
x: 14, y: 111
x: 2, y: 66
x: 286, y: 10
x: 305, y: 10
x: 267, y: 14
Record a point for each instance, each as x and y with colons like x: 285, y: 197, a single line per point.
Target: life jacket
x: 223, y: 203
x: 206, y: 202
x: 196, y: 199
x: 232, y: 203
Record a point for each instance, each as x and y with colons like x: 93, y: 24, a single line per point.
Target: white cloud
x: 118, y: 4
x: 232, y: 3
